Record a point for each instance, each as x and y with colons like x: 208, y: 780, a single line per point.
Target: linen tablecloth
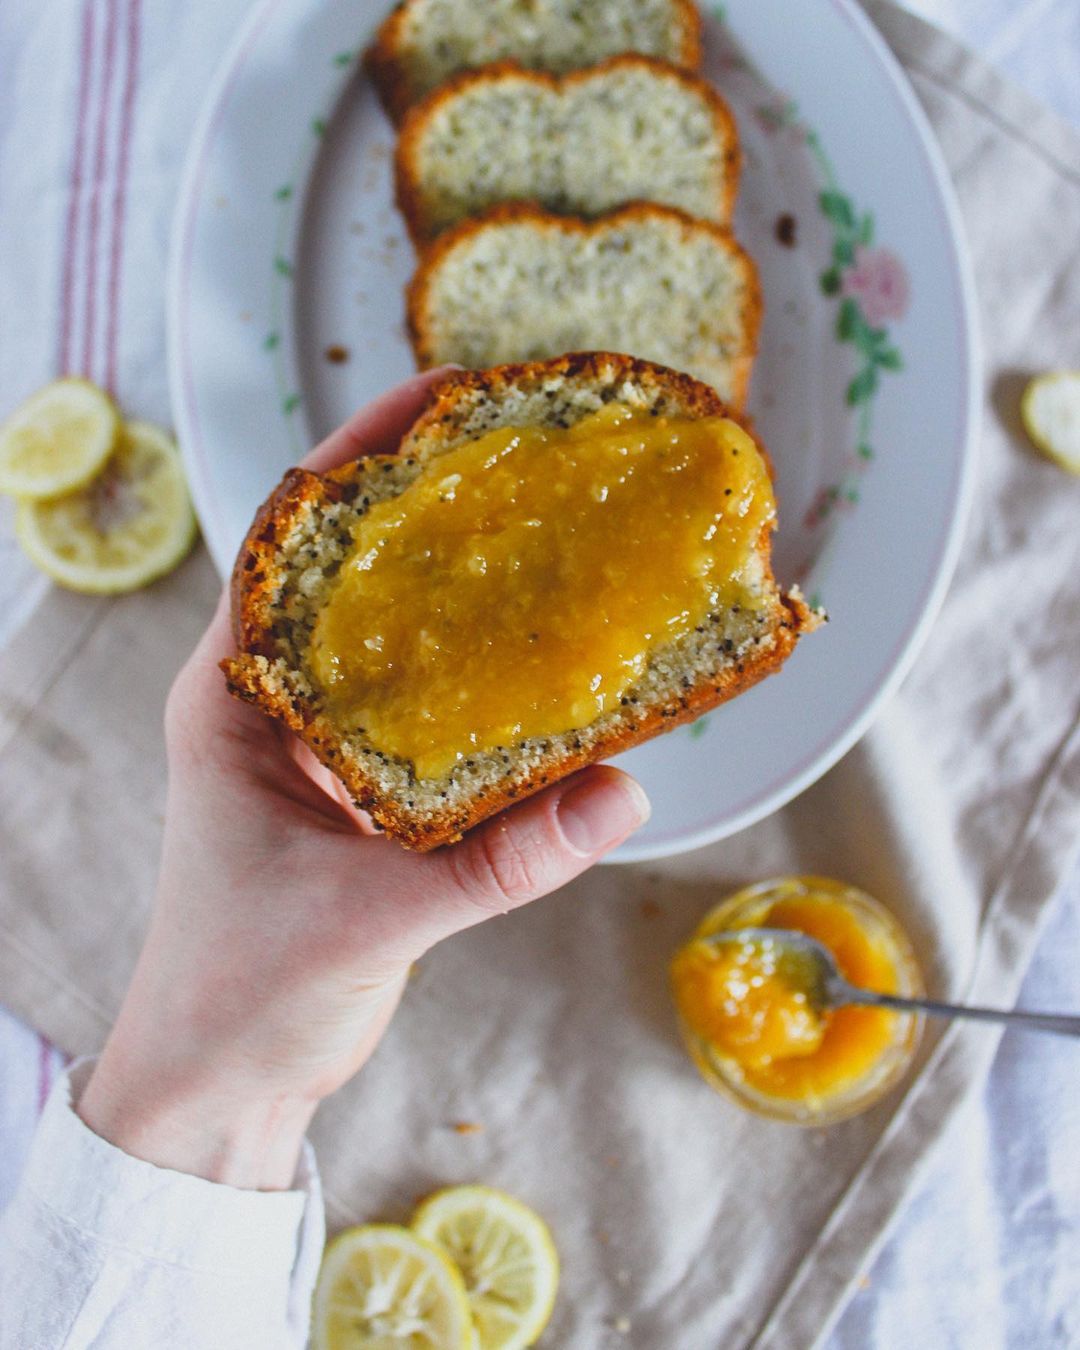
x: 547, y: 1023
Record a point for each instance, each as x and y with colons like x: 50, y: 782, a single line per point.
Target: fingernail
x: 601, y: 811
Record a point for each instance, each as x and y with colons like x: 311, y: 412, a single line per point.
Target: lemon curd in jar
x: 517, y: 586
x: 751, y: 1025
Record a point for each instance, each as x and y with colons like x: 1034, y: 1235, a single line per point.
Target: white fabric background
x: 988, y: 1255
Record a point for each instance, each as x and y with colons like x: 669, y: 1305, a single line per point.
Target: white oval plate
x: 286, y: 243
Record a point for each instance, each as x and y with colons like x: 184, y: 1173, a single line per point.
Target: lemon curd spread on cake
x: 518, y: 584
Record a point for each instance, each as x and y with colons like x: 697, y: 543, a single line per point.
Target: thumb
x: 530, y: 850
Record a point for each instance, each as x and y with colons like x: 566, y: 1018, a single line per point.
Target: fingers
x: 217, y: 641
x: 377, y: 429
x: 523, y: 854
x: 198, y: 699
x: 329, y: 783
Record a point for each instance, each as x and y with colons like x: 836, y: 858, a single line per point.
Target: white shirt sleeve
x: 99, y: 1249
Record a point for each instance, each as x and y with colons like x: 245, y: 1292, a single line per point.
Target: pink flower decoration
x: 879, y: 282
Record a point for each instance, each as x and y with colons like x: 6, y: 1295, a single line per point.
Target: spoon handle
x: 1061, y: 1023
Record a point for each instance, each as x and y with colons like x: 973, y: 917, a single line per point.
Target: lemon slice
x: 382, y: 1287
x: 1050, y: 409
x: 132, y: 523
x: 58, y: 439
x: 505, y: 1252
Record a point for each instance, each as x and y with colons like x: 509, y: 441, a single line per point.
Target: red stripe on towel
x: 100, y: 162
x: 116, y: 258
x: 75, y: 179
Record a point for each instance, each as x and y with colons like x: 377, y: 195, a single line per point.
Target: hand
x: 283, y: 928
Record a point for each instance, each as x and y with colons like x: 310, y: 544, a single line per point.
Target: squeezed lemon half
x: 506, y: 1254
x: 58, y: 439
x: 1050, y: 410
x: 382, y: 1287
x: 130, y: 524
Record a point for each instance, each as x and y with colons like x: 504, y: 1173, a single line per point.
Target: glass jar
x: 841, y: 1061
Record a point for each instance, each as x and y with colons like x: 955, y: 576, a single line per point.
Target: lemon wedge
x: 382, y: 1287
x: 1050, y: 409
x: 505, y: 1252
x: 129, y: 525
x: 58, y: 439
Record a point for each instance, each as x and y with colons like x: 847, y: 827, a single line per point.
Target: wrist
x: 203, y: 1128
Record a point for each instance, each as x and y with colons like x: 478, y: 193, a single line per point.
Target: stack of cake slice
x: 569, y: 182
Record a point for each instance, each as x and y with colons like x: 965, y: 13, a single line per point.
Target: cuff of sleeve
x: 166, y: 1216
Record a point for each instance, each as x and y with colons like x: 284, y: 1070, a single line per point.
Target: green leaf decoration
x: 290, y: 404
x: 849, y: 320
x: 851, y: 230
x: 862, y: 386
x: 271, y: 341
x: 838, y: 209
x: 319, y: 127
x: 283, y: 267
x: 720, y: 15
x: 283, y: 193
x: 699, y: 728
x: 344, y: 58
x: 843, y: 252
x: 815, y: 601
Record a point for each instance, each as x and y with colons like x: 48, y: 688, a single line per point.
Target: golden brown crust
x: 258, y: 572
x: 385, y: 66
x: 251, y: 584
x: 418, y: 118
x: 690, y: 22
x: 694, y: 397
x: 416, y: 293
x: 389, y: 68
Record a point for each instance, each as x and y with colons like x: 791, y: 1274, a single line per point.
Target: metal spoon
x: 827, y: 988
